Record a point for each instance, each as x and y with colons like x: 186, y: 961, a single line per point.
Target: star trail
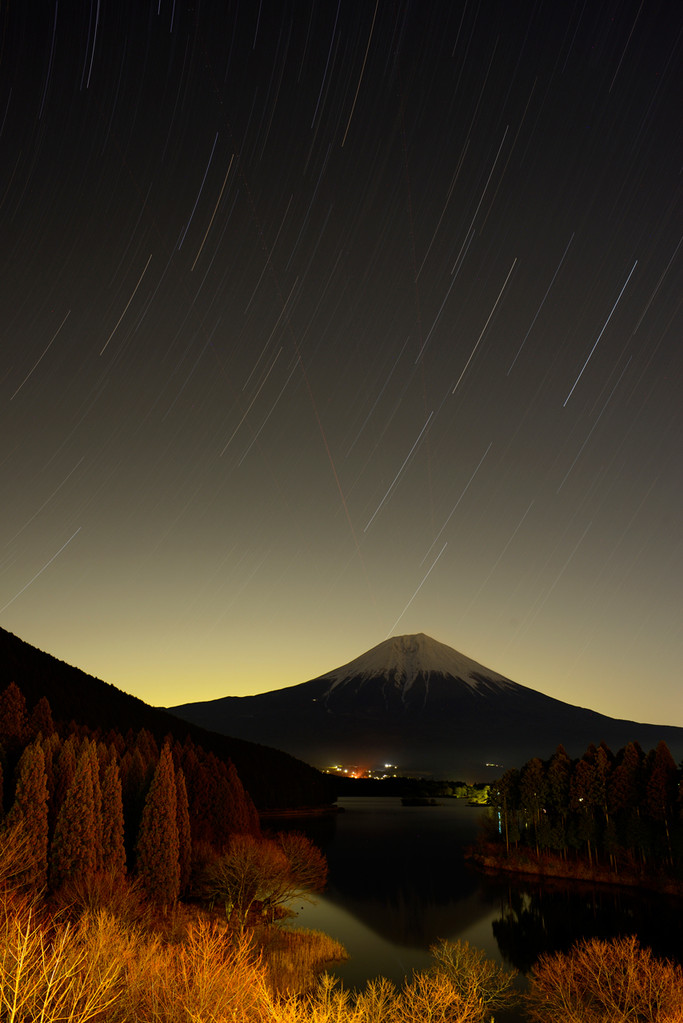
x: 322, y: 318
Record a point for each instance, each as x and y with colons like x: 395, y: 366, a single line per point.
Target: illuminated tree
x: 98, y: 855
x: 157, y: 847
x: 29, y: 814
x: 113, y: 848
x: 478, y: 980
x: 306, y: 871
x: 65, y: 768
x: 605, y: 982
x: 249, y: 871
x: 264, y: 873
x: 76, y: 843
x: 77, y: 840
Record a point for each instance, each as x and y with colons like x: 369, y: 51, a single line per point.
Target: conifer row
x: 87, y: 803
x: 618, y: 809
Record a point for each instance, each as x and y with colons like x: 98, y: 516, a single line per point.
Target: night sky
x: 328, y: 321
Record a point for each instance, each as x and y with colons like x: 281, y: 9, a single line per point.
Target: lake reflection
x: 398, y: 882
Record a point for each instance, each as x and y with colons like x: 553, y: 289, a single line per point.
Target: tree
x: 306, y: 871
x: 476, y: 979
x: 113, y: 848
x: 266, y: 873
x: 157, y: 847
x: 29, y: 814
x: 76, y: 843
x: 605, y: 982
x: 98, y: 854
x: 245, y: 873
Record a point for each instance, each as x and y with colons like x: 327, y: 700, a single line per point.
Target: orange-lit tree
x: 263, y: 873
x: 76, y: 844
x: 113, y: 848
x: 157, y: 847
x: 605, y: 982
x: 29, y: 814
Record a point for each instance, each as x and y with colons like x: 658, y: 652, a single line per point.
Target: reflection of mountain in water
x: 406, y: 919
x: 401, y: 870
x: 552, y: 917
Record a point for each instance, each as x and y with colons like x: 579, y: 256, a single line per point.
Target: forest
x: 611, y: 817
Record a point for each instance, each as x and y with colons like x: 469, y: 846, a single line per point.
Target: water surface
x: 398, y: 882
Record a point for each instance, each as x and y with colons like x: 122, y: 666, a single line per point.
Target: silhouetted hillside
x: 272, y: 778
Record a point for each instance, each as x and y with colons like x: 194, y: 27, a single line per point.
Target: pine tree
x: 157, y: 846
x: 74, y: 849
x: 97, y: 805
x: 64, y: 767
x: 113, y: 848
x: 29, y: 812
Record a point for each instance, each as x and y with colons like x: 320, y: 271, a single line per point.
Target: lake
x: 398, y: 882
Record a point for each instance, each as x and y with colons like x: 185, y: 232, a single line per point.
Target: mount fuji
x: 420, y: 705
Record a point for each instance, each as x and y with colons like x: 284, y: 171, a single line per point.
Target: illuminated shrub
x: 606, y: 982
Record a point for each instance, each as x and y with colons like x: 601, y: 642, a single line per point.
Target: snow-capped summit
x: 419, y: 704
x: 402, y: 659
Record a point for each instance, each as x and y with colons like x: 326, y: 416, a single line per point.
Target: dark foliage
x: 622, y: 813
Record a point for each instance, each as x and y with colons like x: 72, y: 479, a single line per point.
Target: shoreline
x: 544, y: 866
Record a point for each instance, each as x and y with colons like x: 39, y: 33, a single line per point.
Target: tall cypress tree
x: 97, y: 803
x: 157, y: 847
x: 29, y: 812
x: 74, y: 849
x: 113, y: 848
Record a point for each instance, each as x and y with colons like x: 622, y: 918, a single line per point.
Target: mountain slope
x: 417, y: 703
x: 272, y: 778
